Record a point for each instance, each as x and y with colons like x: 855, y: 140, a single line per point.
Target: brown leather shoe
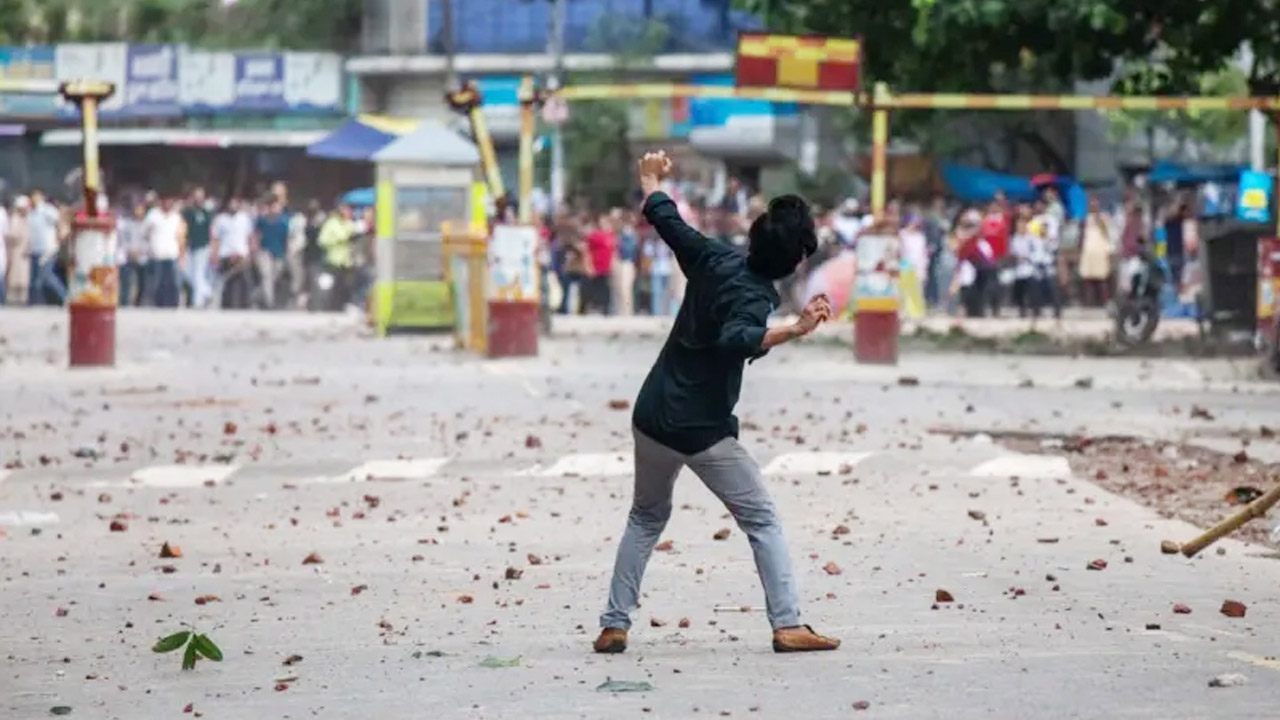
x: 801, y: 639
x: 611, y: 641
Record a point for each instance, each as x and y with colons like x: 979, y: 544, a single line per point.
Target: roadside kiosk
x: 424, y: 182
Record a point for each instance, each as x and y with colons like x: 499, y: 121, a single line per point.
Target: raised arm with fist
x: 654, y: 167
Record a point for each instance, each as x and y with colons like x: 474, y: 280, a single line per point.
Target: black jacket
x: 687, y: 401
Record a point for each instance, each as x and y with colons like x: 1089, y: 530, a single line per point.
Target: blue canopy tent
x: 975, y: 185
x: 360, y: 138
x: 360, y: 197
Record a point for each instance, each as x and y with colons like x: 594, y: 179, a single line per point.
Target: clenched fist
x: 653, y: 168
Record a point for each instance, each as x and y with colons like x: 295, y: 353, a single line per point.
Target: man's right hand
x: 653, y: 168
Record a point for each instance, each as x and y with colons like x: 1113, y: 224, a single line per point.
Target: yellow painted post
x: 93, y: 276
x: 478, y: 271
x: 879, y: 150
x: 468, y: 101
x: 528, y: 123
x: 488, y: 158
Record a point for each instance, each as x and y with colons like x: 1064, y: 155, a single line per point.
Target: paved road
x: 420, y: 476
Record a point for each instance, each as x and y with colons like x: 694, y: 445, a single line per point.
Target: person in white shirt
x: 295, y: 259
x: 43, y: 226
x: 847, y: 223
x: 165, y: 232
x: 1030, y: 257
x: 232, y: 251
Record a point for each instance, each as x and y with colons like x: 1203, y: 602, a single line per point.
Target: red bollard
x: 93, y: 293
x: 512, y: 289
x: 875, y: 337
x: 876, y: 297
x: 513, y: 329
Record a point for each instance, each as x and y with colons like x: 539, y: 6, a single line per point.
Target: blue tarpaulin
x: 976, y: 185
x: 352, y: 141
x: 360, y: 138
x: 1169, y: 172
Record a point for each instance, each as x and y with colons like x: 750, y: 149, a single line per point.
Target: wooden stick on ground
x: 1255, y: 509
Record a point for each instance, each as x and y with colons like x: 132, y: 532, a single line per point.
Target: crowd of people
x: 242, y: 253
x: 193, y: 251
x: 1025, y: 257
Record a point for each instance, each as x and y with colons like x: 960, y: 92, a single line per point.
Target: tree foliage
x: 1043, y: 46
x: 287, y: 24
x: 596, y: 138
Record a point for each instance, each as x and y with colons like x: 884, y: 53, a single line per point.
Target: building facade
x: 403, y: 69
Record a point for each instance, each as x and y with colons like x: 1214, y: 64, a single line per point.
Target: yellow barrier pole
x: 93, y: 291
x: 530, y: 99
x: 879, y: 150
x: 468, y: 101
x: 478, y: 277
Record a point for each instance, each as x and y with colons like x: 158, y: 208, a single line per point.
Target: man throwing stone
x: 684, y: 414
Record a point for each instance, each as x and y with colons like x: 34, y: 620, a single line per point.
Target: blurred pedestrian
x: 198, y: 268
x: 17, y: 246
x: 133, y: 253
x: 166, y: 244
x: 270, y: 248
x: 43, y: 249
x: 624, y: 266
x: 1095, y: 257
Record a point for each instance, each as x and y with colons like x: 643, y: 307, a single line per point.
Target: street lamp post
x: 93, y: 278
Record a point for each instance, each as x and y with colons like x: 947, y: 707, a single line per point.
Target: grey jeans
x: 732, y: 475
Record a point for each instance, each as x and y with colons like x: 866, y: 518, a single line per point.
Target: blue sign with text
x: 1254, y: 204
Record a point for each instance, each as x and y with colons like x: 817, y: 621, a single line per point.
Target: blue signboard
x: 715, y: 112
x: 27, y: 63
x: 260, y: 82
x: 1254, y: 204
x: 151, y: 81
x: 499, y: 91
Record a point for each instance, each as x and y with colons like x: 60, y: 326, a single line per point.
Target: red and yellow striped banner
x: 798, y: 62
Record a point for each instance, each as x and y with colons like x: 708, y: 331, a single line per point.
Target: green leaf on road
x: 60, y: 709
x: 171, y: 643
x: 189, y: 657
x: 623, y: 686
x: 495, y: 662
x: 207, y: 648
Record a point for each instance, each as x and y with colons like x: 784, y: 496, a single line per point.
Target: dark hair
x: 781, y: 238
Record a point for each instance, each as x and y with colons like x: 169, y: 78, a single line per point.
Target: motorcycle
x: 1137, y: 313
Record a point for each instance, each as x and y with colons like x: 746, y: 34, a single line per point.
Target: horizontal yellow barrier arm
x: 918, y: 101
x: 1075, y: 102
x: 668, y: 90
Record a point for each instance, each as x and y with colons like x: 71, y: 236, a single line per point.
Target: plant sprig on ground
x: 197, y: 646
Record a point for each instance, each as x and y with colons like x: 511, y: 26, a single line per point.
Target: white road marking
x: 1269, y: 663
x: 1188, y: 371
x: 1048, y: 467
x: 501, y: 369
x: 27, y: 518
x: 4, y: 474
x: 813, y: 463
x: 586, y: 465
x: 392, y: 470
x: 181, y: 476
